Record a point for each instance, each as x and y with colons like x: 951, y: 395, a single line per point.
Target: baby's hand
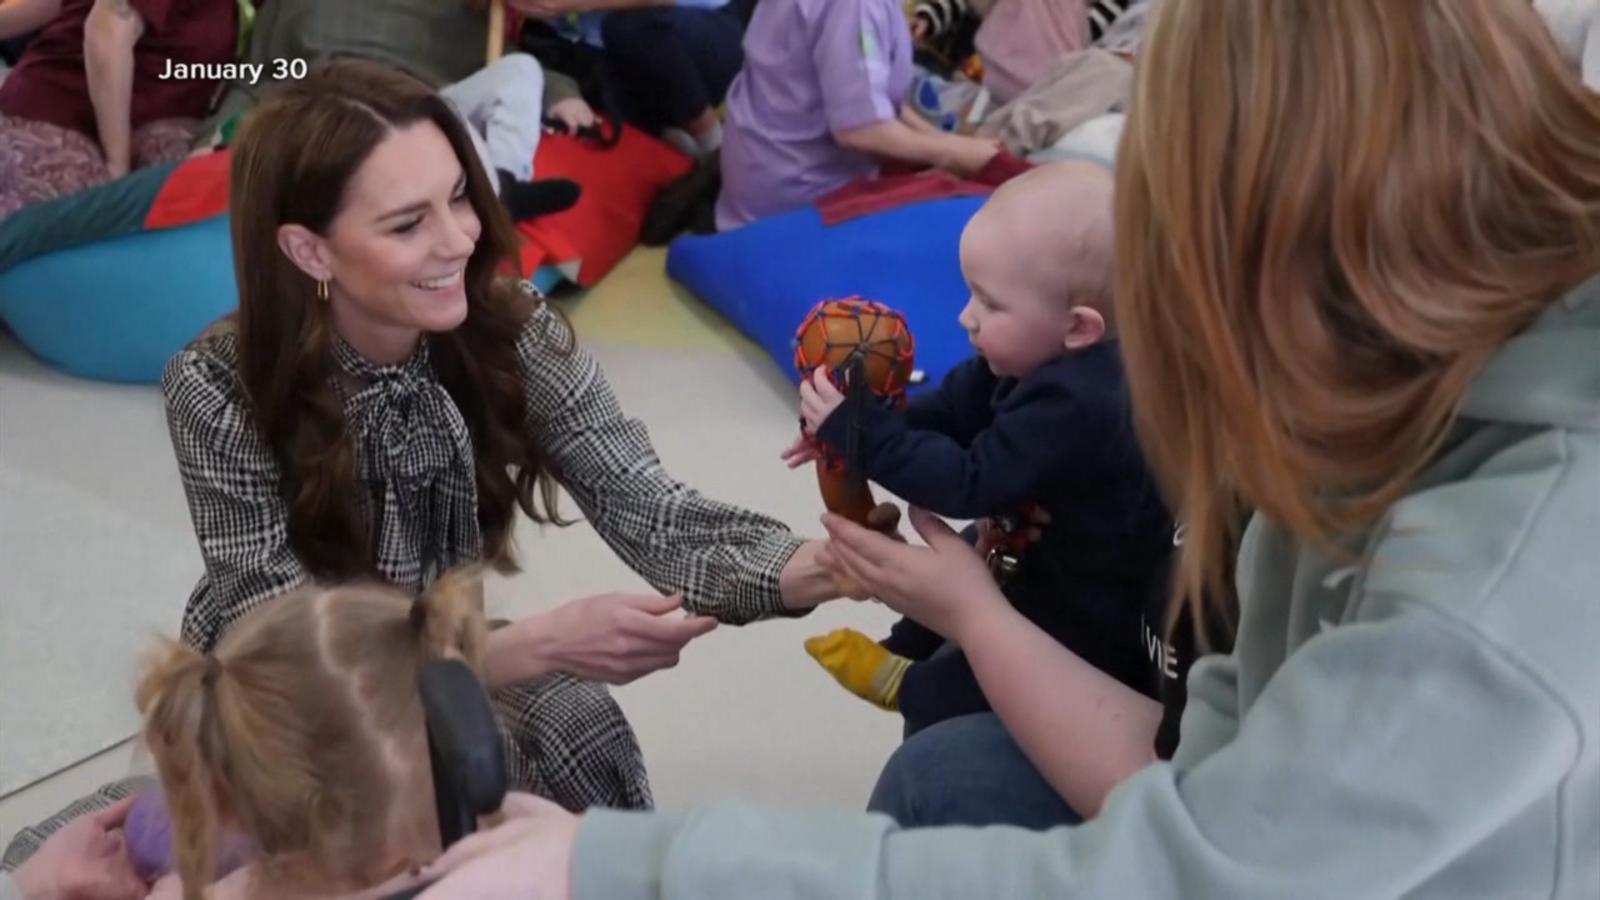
x: 818, y: 399
x: 800, y: 452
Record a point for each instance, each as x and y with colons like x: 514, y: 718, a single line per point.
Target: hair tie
x: 212, y: 671
x: 419, y: 613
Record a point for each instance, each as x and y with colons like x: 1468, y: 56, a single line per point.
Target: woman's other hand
x: 614, y: 638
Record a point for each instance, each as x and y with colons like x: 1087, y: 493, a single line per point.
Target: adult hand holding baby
x: 945, y: 585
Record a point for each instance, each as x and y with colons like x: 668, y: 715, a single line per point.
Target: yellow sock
x: 862, y: 665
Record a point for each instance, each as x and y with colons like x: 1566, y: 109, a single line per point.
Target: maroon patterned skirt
x: 40, y: 161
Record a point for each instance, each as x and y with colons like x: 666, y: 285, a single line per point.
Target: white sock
x: 711, y: 141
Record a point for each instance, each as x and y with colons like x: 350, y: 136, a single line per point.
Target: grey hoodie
x: 1425, y: 723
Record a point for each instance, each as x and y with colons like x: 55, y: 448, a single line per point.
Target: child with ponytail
x: 294, y: 758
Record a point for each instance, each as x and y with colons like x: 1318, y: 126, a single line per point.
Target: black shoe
x: 526, y: 200
x: 687, y: 203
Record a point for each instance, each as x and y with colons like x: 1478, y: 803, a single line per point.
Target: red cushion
x: 197, y: 189
x: 619, y: 183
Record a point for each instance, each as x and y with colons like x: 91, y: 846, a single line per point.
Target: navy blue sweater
x: 981, y: 445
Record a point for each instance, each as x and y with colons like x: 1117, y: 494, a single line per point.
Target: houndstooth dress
x: 566, y: 739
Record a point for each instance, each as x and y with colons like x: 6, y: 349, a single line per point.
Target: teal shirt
x: 1423, y: 723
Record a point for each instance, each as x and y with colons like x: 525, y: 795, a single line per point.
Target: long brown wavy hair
x: 305, y: 730
x: 1330, y: 214
x: 292, y: 160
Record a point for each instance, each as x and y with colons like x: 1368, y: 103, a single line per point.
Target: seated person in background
x: 440, y: 41
x: 668, y: 63
x: 105, y: 88
x: 503, y: 105
x: 303, y: 735
x: 984, y: 54
x: 819, y: 105
x: 1040, y: 417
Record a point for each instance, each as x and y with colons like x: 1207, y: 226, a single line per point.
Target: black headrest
x: 468, y: 759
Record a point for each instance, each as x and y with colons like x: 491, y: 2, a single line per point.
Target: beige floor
x: 97, y: 559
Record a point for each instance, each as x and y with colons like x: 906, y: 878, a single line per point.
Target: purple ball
x: 148, y: 836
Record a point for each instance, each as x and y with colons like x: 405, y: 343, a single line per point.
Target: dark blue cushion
x: 766, y: 276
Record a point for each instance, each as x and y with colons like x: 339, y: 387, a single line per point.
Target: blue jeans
x: 967, y: 771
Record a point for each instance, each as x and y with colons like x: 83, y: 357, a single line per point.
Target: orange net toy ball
x: 868, y: 353
x: 850, y: 333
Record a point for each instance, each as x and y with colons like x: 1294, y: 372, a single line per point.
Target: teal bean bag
x: 118, y: 308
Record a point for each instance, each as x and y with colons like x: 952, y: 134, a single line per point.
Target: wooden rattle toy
x: 868, y: 353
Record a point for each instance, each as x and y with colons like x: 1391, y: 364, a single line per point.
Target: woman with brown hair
x: 387, y: 399
x: 1359, y: 291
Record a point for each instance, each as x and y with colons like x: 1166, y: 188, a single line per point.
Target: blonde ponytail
x: 175, y: 696
x: 306, y: 732
x: 449, y: 618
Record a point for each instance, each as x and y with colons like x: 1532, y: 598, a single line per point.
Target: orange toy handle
x: 845, y: 494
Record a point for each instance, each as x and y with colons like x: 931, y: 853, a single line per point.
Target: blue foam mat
x: 766, y: 276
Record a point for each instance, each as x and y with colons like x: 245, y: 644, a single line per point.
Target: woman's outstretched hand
x: 614, y: 638
x: 617, y: 638
x: 945, y: 585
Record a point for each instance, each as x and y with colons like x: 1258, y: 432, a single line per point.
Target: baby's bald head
x: 1053, y: 224
x: 1038, y: 257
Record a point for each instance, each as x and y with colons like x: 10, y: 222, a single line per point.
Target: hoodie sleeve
x: 1363, y: 770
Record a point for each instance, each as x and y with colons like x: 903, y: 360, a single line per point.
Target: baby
x: 1038, y: 419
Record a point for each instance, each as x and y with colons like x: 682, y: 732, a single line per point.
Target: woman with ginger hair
x: 1358, y: 245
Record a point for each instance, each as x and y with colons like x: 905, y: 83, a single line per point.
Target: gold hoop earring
x: 322, y: 291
